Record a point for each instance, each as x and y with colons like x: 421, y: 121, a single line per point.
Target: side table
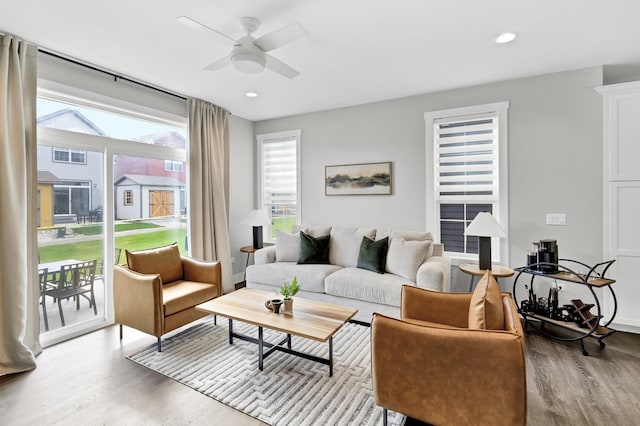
x: 474, y: 270
x: 250, y: 250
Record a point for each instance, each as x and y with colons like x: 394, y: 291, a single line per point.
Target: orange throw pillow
x: 485, y: 310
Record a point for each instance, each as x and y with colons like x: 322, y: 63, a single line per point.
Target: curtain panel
x: 208, y: 181
x: 19, y: 293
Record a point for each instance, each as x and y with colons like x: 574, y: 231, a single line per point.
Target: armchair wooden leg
x: 215, y: 320
x: 159, y: 344
x: 120, y: 331
x: 384, y: 416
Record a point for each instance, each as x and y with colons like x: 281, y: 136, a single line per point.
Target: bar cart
x: 575, y: 317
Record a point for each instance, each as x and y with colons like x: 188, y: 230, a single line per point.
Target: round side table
x: 474, y: 270
x: 250, y: 250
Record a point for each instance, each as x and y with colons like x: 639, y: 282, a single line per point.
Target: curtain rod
x: 115, y: 76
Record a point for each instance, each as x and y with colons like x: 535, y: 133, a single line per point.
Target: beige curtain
x: 208, y: 159
x: 19, y: 320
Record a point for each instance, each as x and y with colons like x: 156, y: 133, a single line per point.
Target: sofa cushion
x: 485, y: 309
x: 180, y: 295
x: 373, y: 254
x: 361, y: 284
x: 315, y: 231
x: 287, y: 246
x: 162, y: 260
x: 344, y: 246
x: 310, y: 277
x: 314, y: 250
x: 405, y: 257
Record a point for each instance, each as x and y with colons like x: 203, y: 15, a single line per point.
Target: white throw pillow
x: 405, y: 257
x: 287, y: 246
x: 344, y: 245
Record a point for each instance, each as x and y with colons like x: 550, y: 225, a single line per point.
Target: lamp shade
x: 485, y: 225
x: 255, y: 218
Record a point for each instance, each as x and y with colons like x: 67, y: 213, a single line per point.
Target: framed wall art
x: 358, y: 179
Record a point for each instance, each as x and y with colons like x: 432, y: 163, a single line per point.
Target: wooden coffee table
x: 310, y: 319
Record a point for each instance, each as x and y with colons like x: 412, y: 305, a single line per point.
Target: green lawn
x: 282, y: 224
x: 97, y: 229
x: 87, y: 250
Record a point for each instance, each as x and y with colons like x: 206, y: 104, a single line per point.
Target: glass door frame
x: 108, y: 147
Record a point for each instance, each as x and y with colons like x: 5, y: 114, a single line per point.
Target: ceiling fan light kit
x: 246, y: 57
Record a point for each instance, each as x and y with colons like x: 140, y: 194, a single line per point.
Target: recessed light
x: 505, y: 38
x: 251, y: 95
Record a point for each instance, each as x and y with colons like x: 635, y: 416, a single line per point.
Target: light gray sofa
x: 412, y: 258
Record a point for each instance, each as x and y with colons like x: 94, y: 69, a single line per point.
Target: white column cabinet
x: 621, y: 187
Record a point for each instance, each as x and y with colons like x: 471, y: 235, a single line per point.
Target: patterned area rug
x: 290, y: 390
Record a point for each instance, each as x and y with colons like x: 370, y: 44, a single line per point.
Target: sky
x: 114, y: 125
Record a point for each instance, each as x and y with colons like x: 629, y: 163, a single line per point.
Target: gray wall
x: 555, y: 160
x: 241, y: 188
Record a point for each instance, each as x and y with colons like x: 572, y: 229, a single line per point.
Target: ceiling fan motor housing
x: 247, y: 57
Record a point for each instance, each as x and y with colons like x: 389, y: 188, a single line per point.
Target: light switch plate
x: 556, y: 219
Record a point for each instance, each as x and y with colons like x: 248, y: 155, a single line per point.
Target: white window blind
x: 466, y: 151
x: 280, y: 176
x: 279, y: 185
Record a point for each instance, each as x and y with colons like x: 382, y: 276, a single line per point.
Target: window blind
x: 279, y: 170
x: 466, y: 151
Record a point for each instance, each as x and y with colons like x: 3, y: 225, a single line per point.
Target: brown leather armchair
x: 430, y: 366
x: 158, y: 291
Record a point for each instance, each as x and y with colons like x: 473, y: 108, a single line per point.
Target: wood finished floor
x: 88, y: 381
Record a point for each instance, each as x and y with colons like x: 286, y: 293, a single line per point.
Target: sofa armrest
x: 419, y: 370
x: 435, y: 273
x: 264, y: 255
x: 202, y: 272
x: 451, y: 309
x: 137, y: 300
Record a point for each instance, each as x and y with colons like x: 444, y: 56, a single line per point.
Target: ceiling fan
x: 248, y: 54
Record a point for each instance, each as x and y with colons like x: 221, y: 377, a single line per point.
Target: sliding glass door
x: 81, y: 218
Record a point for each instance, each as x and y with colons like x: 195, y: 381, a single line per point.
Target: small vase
x: 288, y: 305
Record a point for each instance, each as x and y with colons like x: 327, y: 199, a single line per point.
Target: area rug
x: 290, y: 390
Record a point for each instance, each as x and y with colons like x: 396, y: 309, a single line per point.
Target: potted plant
x: 288, y: 289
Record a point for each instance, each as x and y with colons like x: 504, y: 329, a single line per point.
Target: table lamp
x: 256, y: 218
x: 485, y: 226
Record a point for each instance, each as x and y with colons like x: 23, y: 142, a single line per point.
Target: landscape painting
x: 358, y: 179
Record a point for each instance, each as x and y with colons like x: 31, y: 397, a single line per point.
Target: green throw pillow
x: 373, y: 254
x: 313, y: 250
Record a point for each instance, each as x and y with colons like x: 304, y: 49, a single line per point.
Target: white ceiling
x: 356, y: 51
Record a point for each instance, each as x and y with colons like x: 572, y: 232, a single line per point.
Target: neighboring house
x: 128, y: 165
x: 141, y: 196
x: 77, y: 187
x: 46, y: 181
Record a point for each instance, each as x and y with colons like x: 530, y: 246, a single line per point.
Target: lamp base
x: 257, y: 237
x: 484, y: 253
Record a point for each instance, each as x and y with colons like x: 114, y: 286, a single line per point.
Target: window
x: 63, y: 155
x: 172, y: 166
x: 127, y: 198
x: 467, y: 149
x: 279, y: 186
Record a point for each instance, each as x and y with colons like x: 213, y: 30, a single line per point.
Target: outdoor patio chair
x: 74, y: 280
x: 43, y: 274
x: 100, y: 266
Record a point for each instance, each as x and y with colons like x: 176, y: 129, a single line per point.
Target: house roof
x: 143, y: 180
x: 74, y: 115
x: 47, y: 177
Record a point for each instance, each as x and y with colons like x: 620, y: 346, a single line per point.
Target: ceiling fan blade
x: 279, y: 38
x: 220, y: 63
x: 280, y: 67
x: 199, y: 26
